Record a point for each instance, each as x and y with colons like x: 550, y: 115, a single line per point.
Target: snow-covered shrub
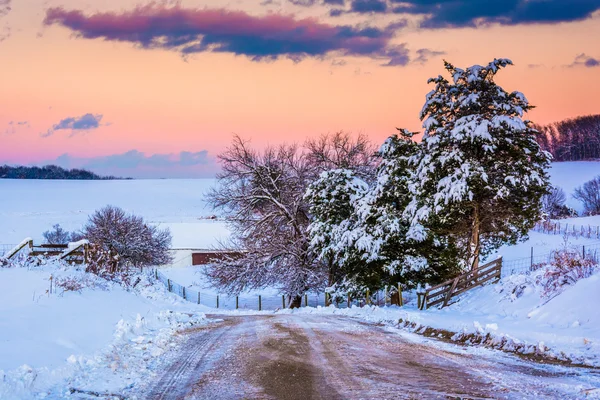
x: 121, y: 241
x: 76, y: 282
x: 57, y: 235
x: 566, y: 268
x: 589, y: 195
x: 553, y: 205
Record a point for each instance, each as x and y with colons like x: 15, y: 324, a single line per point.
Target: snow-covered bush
x: 566, y: 268
x: 121, y: 241
x: 589, y: 195
x: 553, y: 205
x: 76, y: 282
x: 57, y: 235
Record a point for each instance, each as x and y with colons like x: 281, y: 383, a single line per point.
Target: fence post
x: 385, y: 295
x: 326, y: 299
x: 583, y: 252
x: 169, y: 284
x: 184, y: 293
x: 531, y: 266
x: 156, y: 273
x: 305, y: 300
x: 198, y: 297
x: 368, y: 301
x: 282, y: 301
x: 259, y: 303
x: 217, y: 301
x: 237, y: 302
x: 400, y: 299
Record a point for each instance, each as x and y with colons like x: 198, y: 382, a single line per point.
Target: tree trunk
x: 295, y: 302
x: 474, y: 245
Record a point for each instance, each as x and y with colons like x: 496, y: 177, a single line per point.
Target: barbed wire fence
x: 266, y: 302
x: 535, y: 261
x: 566, y: 229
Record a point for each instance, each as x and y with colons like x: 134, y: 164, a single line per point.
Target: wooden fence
x: 77, y: 254
x: 442, y: 294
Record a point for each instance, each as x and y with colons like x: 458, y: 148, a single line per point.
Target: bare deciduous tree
x: 121, y: 240
x: 262, y: 197
x: 589, y: 195
x: 553, y: 203
x: 341, y: 151
x: 57, y: 235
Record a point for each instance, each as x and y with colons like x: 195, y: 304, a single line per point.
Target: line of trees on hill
x: 572, y: 139
x: 49, y: 172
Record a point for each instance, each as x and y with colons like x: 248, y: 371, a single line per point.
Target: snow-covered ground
x: 108, y: 339
x: 101, y: 337
x: 30, y: 207
x: 514, y: 313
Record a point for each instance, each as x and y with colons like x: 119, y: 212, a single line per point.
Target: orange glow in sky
x: 154, y: 99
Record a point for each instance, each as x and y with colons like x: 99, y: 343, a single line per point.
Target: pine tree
x: 480, y: 174
x: 360, y: 231
x: 332, y: 200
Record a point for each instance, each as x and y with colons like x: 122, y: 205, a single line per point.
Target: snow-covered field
x: 30, y: 207
x: 100, y: 338
x: 572, y: 174
x: 107, y: 338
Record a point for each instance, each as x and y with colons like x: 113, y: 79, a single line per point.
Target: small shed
x: 203, y: 257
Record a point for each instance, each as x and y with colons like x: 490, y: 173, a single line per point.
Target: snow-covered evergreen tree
x: 361, y: 231
x: 332, y: 200
x: 480, y: 175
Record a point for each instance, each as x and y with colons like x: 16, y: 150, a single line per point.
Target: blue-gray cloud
x: 137, y: 164
x: 424, y: 55
x: 4, y: 7
x: 464, y: 13
x: 399, y: 56
x: 189, y: 31
x: 303, y: 3
x: 13, y: 126
x: 76, y: 125
x: 368, y: 6
x: 585, y: 61
x: 334, y: 2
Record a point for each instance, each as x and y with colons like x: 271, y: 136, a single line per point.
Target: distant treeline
x: 572, y: 139
x: 48, y: 172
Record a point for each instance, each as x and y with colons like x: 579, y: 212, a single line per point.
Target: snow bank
x: 100, y: 337
x: 512, y: 316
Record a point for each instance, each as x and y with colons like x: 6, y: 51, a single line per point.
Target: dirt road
x: 327, y: 357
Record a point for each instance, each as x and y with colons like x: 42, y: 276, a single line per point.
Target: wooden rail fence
x: 444, y: 292
x: 77, y: 254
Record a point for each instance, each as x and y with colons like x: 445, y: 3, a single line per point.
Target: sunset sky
x: 158, y: 89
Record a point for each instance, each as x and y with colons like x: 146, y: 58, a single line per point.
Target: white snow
x: 568, y: 175
x: 52, y: 341
x: 514, y: 314
x: 30, y: 207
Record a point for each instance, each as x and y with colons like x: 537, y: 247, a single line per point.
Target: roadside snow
x: 511, y: 316
x: 100, y: 338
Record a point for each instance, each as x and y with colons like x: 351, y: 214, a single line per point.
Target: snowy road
x: 327, y: 357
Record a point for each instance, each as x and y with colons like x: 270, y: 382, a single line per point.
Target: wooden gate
x: 442, y: 294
